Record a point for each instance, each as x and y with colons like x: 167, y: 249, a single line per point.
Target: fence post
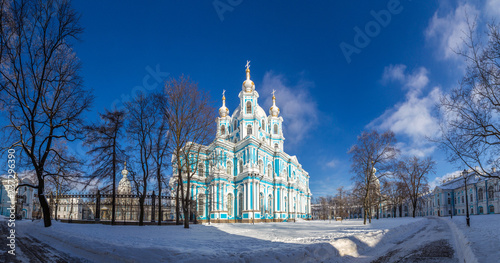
x: 97, y: 216
x: 153, y: 196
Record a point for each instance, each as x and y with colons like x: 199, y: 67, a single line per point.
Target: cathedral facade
x: 251, y: 179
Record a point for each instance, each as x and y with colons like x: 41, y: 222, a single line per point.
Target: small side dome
x: 223, y: 111
x: 124, y: 186
x: 274, y: 110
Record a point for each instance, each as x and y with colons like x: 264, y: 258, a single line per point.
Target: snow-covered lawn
x: 307, y: 241
x: 483, y: 236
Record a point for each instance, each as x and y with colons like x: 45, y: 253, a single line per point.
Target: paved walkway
x: 432, y: 243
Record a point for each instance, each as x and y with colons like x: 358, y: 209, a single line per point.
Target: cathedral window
x: 201, y: 204
x: 492, y: 209
x: 230, y: 205
x: 471, y: 198
x: 241, y: 166
x: 490, y: 192
x: 269, y: 170
x: 200, y: 169
x: 275, y: 129
x: 249, y: 107
x: 270, y: 204
x: 223, y: 130
x: 249, y: 129
x: 229, y: 168
x: 263, y: 124
x: 276, y: 145
x: 480, y: 194
x: 261, y: 202
x: 261, y: 167
x: 240, y: 204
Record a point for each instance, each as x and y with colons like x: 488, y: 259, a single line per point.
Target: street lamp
x: 464, y: 173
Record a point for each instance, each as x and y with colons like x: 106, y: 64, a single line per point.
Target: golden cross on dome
x: 274, y: 92
x: 248, y: 64
x: 223, y: 91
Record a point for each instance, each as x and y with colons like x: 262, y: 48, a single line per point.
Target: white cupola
x: 248, y: 85
x: 223, y: 111
x: 124, y: 186
x: 274, y: 110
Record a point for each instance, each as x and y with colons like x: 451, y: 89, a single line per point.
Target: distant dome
x: 124, y: 186
x: 274, y: 110
x: 223, y: 111
x: 248, y: 85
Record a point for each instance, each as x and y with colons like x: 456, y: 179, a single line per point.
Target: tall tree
x: 40, y: 83
x: 160, y: 152
x: 372, y: 150
x: 191, y: 126
x: 103, y: 140
x: 394, y: 194
x: 471, y: 134
x: 147, y: 130
x: 412, y: 173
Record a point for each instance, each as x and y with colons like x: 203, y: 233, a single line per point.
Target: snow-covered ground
x: 308, y: 241
x: 483, y: 237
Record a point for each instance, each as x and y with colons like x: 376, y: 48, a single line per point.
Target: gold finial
x: 223, y: 97
x: 273, y: 94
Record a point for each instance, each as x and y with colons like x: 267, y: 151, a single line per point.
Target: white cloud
x: 412, y: 118
x: 331, y: 163
x: 440, y: 179
x: 297, y: 107
x: 492, y: 8
x: 448, y: 30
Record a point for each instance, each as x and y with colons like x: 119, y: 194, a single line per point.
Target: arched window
x: 241, y: 166
x: 481, y: 210
x: 270, y: 204
x: 269, y: 170
x: 200, y: 169
x: 230, y: 205
x: 240, y: 204
x: 249, y: 129
x: 249, y: 107
x: 492, y: 209
x: 222, y: 130
x: 229, y: 168
x: 235, y: 125
x: 480, y: 194
x: 286, y: 205
x: 275, y: 131
x: 261, y: 167
x: 263, y: 124
x: 201, y: 205
x: 490, y: 192
x: 276, y: 145
x: 261, y: 202
x: 471, y: 198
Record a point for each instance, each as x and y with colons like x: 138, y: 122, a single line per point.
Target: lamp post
x: 466, y: 198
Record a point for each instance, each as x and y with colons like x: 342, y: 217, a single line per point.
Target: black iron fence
x: 98, y: 207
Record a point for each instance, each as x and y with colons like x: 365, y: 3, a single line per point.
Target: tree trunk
x: 113, y: 201
x: 177, y: 201
x: 187, y: 204
x: 43, y: 202
x: 141, y: 209
x: 160, y: 216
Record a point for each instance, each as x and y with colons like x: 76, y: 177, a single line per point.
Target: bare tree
x: 191, y: 126
x: 103, y: 139
x: 67, y: 174
x: 372, y: 150
x: 160, y: 152
x: 471, y: 134
x: 42, y: 92
x: 412, y: 172
x: 147, y: 130
x: 341, y: 202
x: 394, y: 194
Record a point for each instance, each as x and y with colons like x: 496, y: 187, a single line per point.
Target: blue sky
x: 392, y: 82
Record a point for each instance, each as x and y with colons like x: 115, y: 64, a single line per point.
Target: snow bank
x: 479, y: 242
x: 287, y: 242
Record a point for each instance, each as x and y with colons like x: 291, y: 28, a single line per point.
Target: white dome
x: 223, y: 111
x: 124, y: 186
x: 248, y: 85
x: 274, y: 110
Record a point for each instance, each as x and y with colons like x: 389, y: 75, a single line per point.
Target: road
x: 30, y: 249
x: 433, y: 243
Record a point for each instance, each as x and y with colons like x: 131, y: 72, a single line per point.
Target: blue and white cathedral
x: 252, y: 179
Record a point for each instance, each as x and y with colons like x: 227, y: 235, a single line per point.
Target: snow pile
x: 479, y: 242
x: 333, y: 241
